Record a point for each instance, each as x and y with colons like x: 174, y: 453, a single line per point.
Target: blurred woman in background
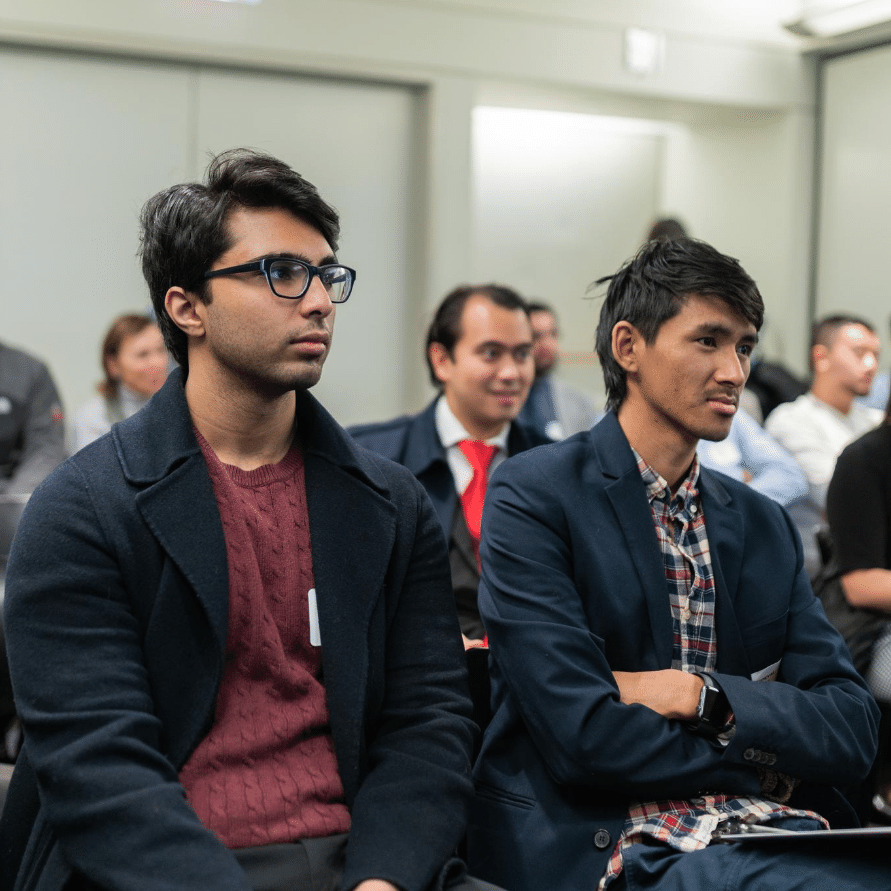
x: 135, y: 364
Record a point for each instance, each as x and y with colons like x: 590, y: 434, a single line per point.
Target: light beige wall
x: 856, y: 190
x: 735, y: 110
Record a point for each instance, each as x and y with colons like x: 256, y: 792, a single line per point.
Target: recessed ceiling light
x: 841, y: 18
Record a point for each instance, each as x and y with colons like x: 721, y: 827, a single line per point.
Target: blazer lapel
x: 726, y: 538
x: 425, y: 457
x: 629, y: 501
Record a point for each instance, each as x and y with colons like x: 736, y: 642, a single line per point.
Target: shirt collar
x: 658, y: 489
x: 451, y: 431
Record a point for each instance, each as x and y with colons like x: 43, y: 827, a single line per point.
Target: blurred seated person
x: 880, y: 391
x: 858, y: 507
x: 134, y: 361
x: 479, y: 353
x: 554, y: 408
x: 667, y: 229
x: 819, y: 424
x: 750, y: 454
x: 32, y: 429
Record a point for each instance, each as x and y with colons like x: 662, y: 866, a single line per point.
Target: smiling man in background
x: 479, y: 352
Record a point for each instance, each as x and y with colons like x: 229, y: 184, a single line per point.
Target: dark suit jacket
x: 116, y: 618
x: 412, y: 440
x: 574, y: 588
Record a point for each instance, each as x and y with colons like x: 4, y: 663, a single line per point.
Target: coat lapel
x: 177, y: 498
x: 353, y: 530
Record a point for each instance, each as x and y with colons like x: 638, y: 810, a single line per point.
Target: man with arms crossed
x: 661, y: 670
x: 230, y: 629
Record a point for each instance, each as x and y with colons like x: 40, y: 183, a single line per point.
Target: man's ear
x: 183, y: 308
x: 626, y: 341
x: 820, y: 357
x: 441, y: 361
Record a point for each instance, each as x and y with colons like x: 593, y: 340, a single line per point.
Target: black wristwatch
x: 713, y: 708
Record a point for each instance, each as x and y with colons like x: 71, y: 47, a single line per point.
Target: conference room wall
x: 855, y: 190
x: 88, y: 139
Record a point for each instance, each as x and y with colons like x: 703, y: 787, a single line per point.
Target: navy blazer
x: 412, y: 440
x: 116, y: 615
x: 574, y: 588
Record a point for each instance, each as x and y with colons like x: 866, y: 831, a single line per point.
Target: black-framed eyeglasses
x: 292, y: 278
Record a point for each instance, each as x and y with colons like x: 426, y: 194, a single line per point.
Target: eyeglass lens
x: 291, y: 279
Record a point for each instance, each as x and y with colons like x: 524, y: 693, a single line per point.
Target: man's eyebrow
x: 718, y: 330
x: 286, y: 255
x: 500, y: 345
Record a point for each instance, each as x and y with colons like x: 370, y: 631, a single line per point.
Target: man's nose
x: 316, y: 300
x: 734, y: 369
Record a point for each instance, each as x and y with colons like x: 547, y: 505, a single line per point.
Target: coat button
x: 750, y: 755
x: 601, y: 839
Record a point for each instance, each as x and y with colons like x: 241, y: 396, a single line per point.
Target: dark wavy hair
x: 651, y: 288
x: 184, y: 228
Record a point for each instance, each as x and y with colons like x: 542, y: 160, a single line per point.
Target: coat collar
x: 724, y: 526
x: 352, y: 530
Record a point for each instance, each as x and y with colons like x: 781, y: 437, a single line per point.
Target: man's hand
x: 671, y: 693
x: 375, y: 885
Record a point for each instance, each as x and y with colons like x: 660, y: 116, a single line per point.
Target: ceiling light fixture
x: 834, y: 20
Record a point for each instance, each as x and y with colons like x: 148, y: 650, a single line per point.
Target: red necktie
x: 480, y: 457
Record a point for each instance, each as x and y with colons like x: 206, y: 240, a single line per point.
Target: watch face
x: 707, y: 698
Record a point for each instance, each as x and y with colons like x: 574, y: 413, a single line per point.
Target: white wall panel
x: 356, y: 144
x: 561, y: 200
x: 855, y: 188
x: 83, y: 143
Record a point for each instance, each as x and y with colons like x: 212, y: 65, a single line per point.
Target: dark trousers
x: 756, y: 867
x: 315, y: 864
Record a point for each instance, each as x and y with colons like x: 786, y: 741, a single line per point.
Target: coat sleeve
x: 410, y: 811
x: 112, y: 808
x: 558, y: 625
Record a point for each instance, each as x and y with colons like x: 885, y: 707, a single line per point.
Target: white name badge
x: 315, y: 634
x: 767, y: 674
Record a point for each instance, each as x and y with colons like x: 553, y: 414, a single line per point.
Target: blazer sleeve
x: 112, y: 808
x: 553, y: 619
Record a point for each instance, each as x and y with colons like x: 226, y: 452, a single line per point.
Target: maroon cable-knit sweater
x: 266, y: 772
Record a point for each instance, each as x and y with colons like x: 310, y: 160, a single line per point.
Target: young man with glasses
x: 230, y: 628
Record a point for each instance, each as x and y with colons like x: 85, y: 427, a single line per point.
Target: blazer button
x: 750, y: 755
x: 601, y: 839
x: 771, y: 760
